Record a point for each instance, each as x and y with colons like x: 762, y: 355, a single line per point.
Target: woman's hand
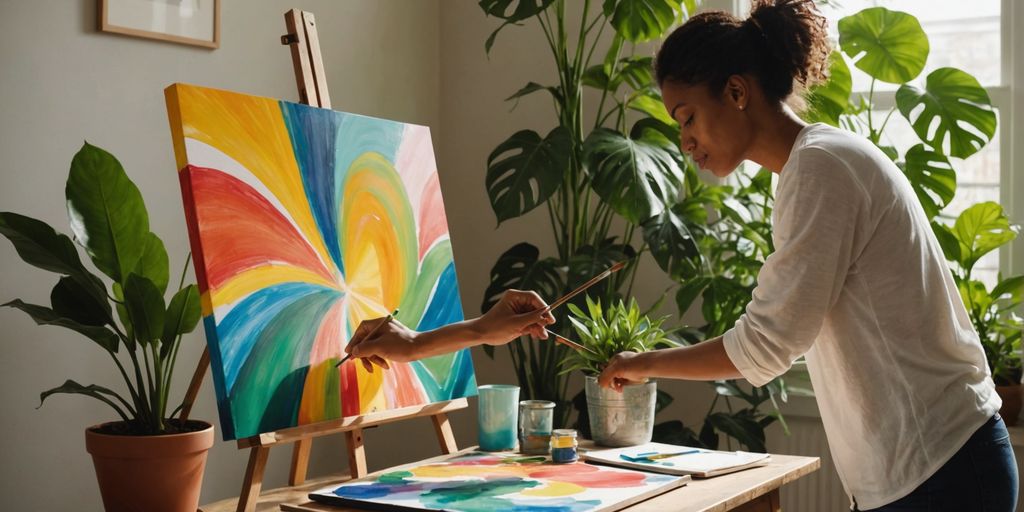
x: 623, y: 369
x: 377, y: 344
x: 516, y: 314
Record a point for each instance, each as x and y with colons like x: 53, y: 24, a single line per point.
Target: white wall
x: 61, y: 82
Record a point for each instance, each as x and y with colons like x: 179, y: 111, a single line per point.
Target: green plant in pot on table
x: 144, y: 461
x: 616, y: 419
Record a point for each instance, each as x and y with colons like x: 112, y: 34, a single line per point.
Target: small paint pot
x: 564, y: 446
x: 535, y: 418
x: 497, y: 417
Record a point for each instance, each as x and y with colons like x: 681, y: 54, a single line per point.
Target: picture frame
x: 191, y: 22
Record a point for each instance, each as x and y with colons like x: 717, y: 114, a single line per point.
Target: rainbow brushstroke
x: 303, y: 223
x: 479, y: 481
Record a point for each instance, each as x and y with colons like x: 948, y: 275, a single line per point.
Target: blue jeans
x: 981, y: 477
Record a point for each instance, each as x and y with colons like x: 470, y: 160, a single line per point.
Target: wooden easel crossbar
x: 312, y: 85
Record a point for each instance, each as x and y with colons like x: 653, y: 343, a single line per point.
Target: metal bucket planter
x: 621, y: 419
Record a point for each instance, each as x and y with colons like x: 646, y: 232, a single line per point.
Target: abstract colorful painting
x: 303, y: 223
x: 479, y: 481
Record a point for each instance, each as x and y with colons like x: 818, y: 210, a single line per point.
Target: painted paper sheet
x: 480, y: 482
x: 304, y: 222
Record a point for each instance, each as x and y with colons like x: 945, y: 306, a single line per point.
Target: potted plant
x: 145, y: 460
x: 616, y: 419
x: 979, y: 230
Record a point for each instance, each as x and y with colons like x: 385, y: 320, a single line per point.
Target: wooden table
x: 751, y: 490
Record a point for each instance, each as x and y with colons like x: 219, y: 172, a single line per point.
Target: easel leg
x: 300, y: 461
x: 445, y: 436
x: 253, y: 479
x: 356, y: 453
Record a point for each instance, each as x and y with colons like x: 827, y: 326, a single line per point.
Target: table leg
x: 768, y: 502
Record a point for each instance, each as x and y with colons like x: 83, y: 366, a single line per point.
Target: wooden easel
x: 312, y: 84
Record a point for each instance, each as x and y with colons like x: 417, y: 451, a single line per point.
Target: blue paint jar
x: 564, y: 446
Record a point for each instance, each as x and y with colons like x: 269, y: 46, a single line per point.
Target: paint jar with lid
x: 564, y: 445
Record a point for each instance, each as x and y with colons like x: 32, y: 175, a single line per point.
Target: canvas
x: 480, y: 481
x: 304, y: 222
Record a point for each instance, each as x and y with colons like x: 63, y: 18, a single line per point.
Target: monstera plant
x: 609, y: 184
x: 953, y: 118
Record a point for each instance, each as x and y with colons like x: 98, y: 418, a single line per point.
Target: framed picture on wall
x: 194, y: 22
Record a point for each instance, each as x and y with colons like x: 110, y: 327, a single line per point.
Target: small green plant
x: 607, y: 332
x: 109, y: 220
x: 979, y: 230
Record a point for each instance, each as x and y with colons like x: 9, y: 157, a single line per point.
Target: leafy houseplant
x: 614, y: 419
x: 615, y: 186
x: 953, y: 118
x: 109, y: 220
x: 591, y: 176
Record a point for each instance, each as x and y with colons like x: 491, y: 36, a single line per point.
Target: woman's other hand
x: 623, y: 369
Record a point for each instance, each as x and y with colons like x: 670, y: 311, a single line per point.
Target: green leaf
x: 153, y: 264
x: 108, y: 216
x: 525, y: 170
x: 1011, y: 287
x: 981, y: 229
x: 70, y: 300
x: 950, y: 100
x: 183, y: 315
x: 688, y: 293
x: 887, y: 45
x: 122, y: 314
x: 521, y: 10
x: 672, y: 244
x: 745, y: 430
x: 41, y: 246
x: 947, y: 240
x: 638, y: 177
x: 643, y: 20
x: 612, y: 56
x: 650, y: 104
x: 98, y: 392
x: 521, y: 268
x: 42, y: 315
x: 932, y: 177
x: 145, y: 305
x: 829, y: 100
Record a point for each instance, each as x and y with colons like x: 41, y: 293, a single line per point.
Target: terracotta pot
x: 1011, y: 395
x: 149, y: 473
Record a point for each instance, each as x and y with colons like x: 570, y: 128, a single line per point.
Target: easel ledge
x: 311, y: 81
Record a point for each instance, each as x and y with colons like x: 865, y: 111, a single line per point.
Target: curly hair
x: 784, y: 44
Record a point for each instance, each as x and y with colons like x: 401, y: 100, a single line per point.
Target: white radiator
x: 820, y: 491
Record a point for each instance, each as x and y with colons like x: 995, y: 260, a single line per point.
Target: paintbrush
x: 371, y: 333
x: 563, y: 299
x: 569, y: 343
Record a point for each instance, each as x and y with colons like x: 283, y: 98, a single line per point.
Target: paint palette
x: 480, y: 481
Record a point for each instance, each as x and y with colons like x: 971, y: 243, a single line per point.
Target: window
x: 968, y: 38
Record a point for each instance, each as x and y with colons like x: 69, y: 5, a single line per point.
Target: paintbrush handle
x: 371, y: 333
x: 563, y: 299
x: 569, y: 343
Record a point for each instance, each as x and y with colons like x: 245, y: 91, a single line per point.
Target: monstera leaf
x: 951, y: 99
x: 672, y: 244
x: 512, y: 11
x: 981, y: 229
x: 590, y: 260
x: 641, y: 20
x: 532, y: 87
x: 106, y: 211
x: 525, y: 170
x: 521, y: 268
x: 887, y: 45
x: 830, y: 100
x: 638, y: 176
x: 932, y: 177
